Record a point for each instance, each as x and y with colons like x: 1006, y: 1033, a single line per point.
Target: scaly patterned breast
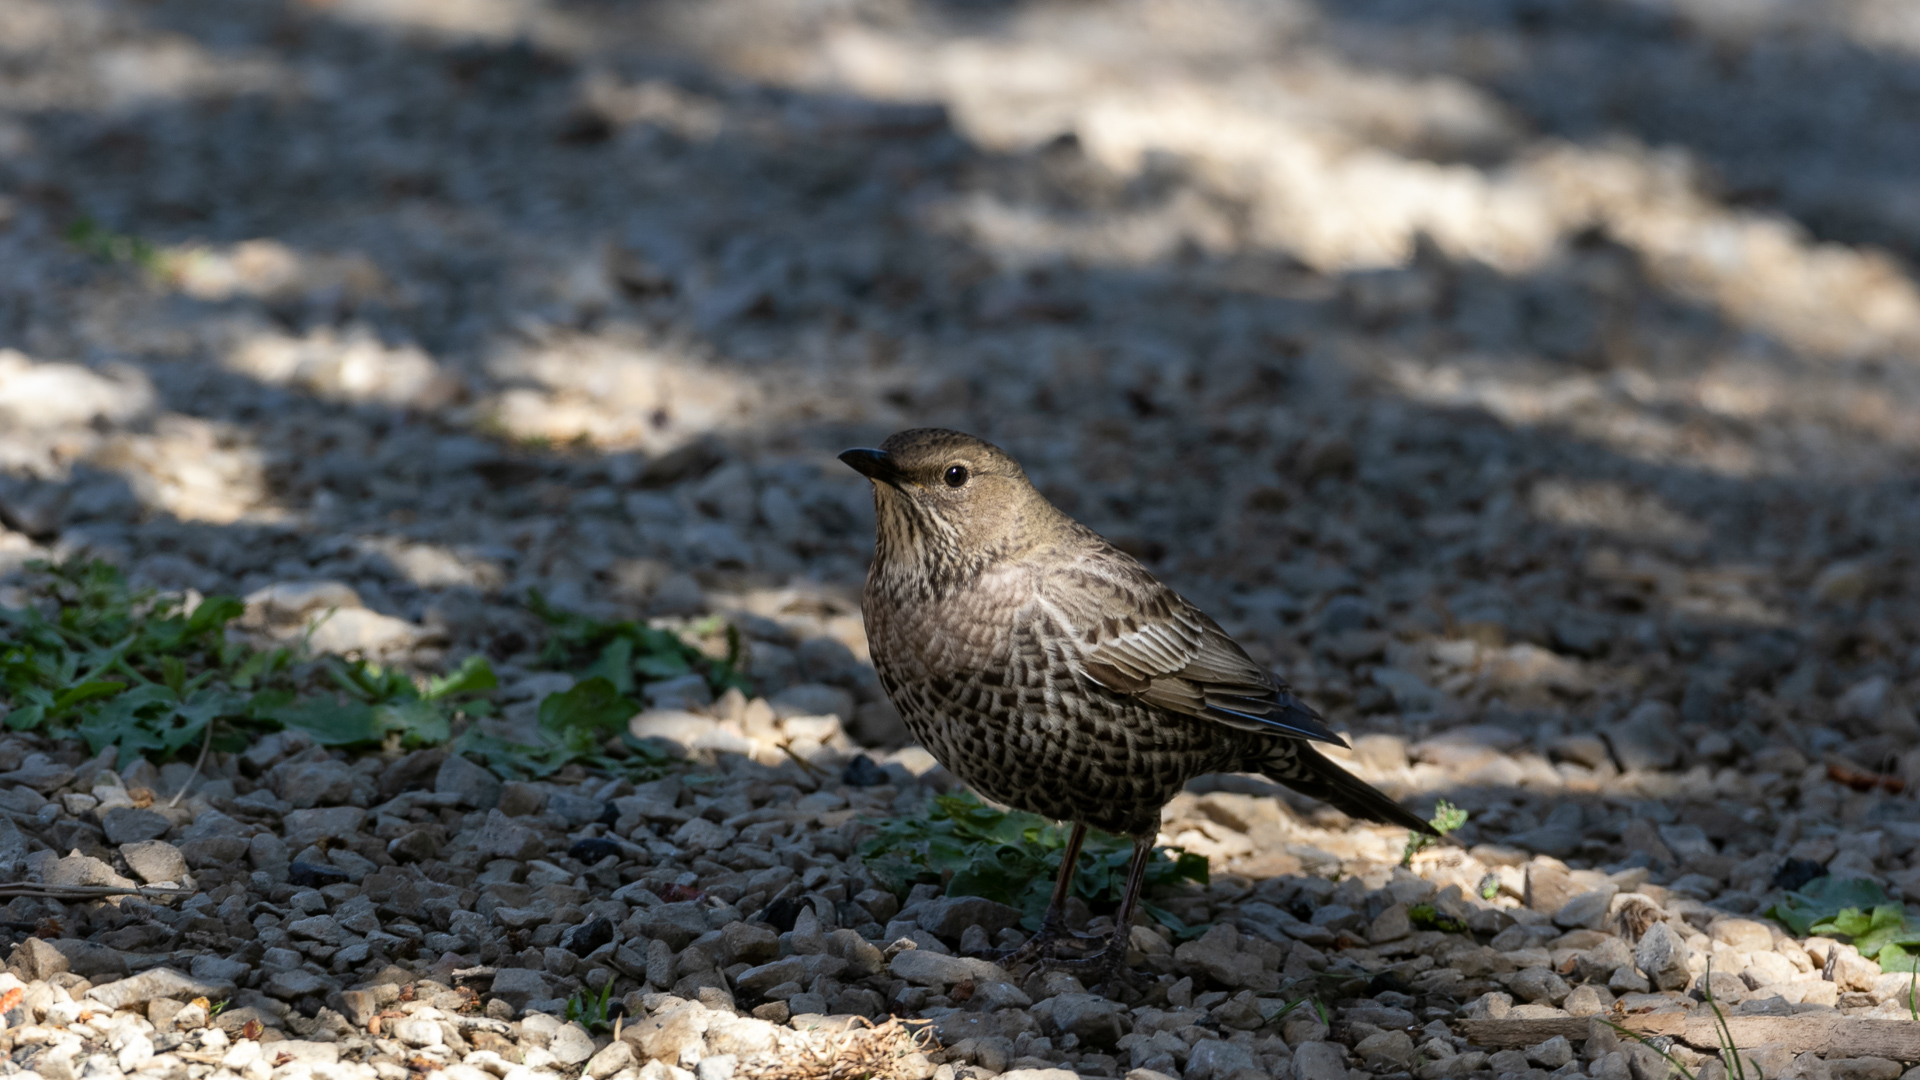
x: 989, y: 683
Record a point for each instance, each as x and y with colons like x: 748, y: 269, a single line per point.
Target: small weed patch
x: 595, y: 1012
x: 1857, y: 910
x: 160, y: 676
x: 1427, y: 917
x: 1446, y: 818
x: 1013, y: 857
x: 102, y: 243
x: 629, y: 654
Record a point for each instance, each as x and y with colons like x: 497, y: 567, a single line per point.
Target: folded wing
x: 1138, y: 637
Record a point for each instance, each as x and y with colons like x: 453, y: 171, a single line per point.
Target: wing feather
x: 1138, y: 637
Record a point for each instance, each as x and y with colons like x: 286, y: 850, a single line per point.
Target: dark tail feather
x: 1299, y: 766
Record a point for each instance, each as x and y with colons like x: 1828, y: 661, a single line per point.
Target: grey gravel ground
x: 1534, y: 386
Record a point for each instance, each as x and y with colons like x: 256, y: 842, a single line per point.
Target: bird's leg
x: 1053, y: 925
x: 1111, y: 962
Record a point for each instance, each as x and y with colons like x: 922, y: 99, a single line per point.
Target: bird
x: 1053, y: 673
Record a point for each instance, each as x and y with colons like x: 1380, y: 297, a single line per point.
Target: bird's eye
x: 956, y: 475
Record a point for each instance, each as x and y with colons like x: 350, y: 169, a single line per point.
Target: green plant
x: 374, y: 703
x: 629, y: 654
x: 1427, y: 917
x: 1013, y: 857
x: 128, y: 669
x: 1489, y: 887
x: 1312, y: 1000
x: 102, y: 243
x: 1857, y: 909
x: 587, y: 724
x: 590, y: 1010
x: 575, y: 727
x: 151, y: 675
x: 1446, y: 818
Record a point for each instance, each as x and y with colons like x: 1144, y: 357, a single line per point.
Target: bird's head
x: 950, y: 503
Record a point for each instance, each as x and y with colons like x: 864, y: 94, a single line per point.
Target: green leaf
x: 87, y: 691
x: 372, y: 682
x: 662, y: 665
x: 508, y: 760
x: 592, y: 705
x: 896, y: 871
x: 614, y: 665
x: 1848, y: 921
x: 129, y: 721
x: 1851, y: 922
x: 1181, y: 931
x: 473, y: 676
x: 1191, y: 867
x: 214, y: 613
x: 627, y: 653
x: 330, y: 721
x: 1824, y: 898
x: 990, y: 880
x: 1888, y: 926
x: 1427, y: 917
x: 1897, y: 958
x: 420, y: 723
x: 260, y: 665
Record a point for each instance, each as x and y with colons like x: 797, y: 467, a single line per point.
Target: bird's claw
x: 1036, y: 946
x: 1104, y: 968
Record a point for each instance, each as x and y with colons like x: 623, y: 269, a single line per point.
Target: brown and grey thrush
x: 1052, y: 673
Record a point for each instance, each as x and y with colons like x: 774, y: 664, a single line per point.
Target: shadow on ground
x: 1467, y: 427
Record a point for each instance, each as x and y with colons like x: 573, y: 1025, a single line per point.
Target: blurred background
x: 1533, y: 383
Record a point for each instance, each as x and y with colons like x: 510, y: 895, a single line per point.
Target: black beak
x: 875, y: 465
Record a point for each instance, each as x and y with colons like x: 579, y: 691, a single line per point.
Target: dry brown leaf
x: 1862, y: 780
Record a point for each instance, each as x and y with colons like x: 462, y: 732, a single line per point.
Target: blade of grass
x: 197, y: 766
x: 1651, y: 1045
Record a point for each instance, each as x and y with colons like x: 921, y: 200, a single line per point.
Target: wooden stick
x: 88, y: 892
x: 1847, y: 1036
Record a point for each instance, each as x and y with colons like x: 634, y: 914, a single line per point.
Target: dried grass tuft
x: 862, y: 1051
x: 1634, y: 918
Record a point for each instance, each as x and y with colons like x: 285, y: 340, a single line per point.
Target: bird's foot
x: 1106, y: 968
x: 1040, y: 945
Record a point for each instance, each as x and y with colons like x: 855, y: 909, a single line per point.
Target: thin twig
x: 812, y: 770
x: 87, y: 892
x: 205, y: 746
